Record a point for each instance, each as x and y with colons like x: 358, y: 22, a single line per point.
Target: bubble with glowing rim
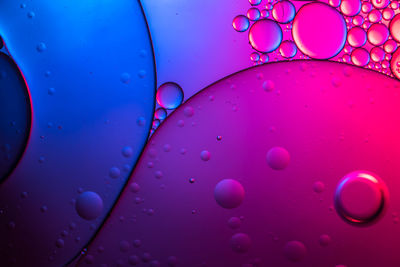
x: 265, y: 35
x: 378, y: 34
x: 360, y: 57
x: 387, y: 13
x: 240, y: 23
x: 335, y: 3
x: 374, y: 16
x: 295, y: 251
x: 357, y: 37
x: 379, y: 4
x: 390, y: 46
x: 283, y: 11
x: 253, y: 13
x: 395, y: 64
x: 319, y: 31
x: 394, y: 27
x: 160, y: 114
x: 255, y: 2
x: 229, y: 193
x: 377, y: 54
x: 89, y: 205
x: 350, y: 7
x: 288, y: 49
x: 278, y: 158
x: 169, y: 95
x: 361, y: 197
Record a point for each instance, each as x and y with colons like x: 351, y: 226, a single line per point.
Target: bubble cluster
x: 290, y: 30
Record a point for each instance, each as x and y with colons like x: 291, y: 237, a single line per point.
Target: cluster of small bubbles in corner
x: 361, y: 33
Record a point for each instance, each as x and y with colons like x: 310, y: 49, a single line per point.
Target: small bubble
x: 241, y: 23
x: 41, y: 47
x: 240, y: 243
x: 205, y: 155
x: 169, y: 95
x: 114, y: 172
x: 295, y: 251
x: 278, y: 158
x: 89, y: 205
x: 229, y: 193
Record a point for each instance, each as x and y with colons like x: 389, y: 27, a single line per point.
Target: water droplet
x: 395, y: 28
x: 255, y: 2
x: 378, y: 34
x: 265, y: 35
x: 318, y: 187
x: 160, y: 114
x: 283, y: 11
x: 268, y: 85
x: 278, y: 158
x: 205, y: 155
x: 253, y: 13
x: 377, y: 54
x: 360, y: 57
x: 114, y: 172
x: 295, y: 251
x: 89, y: 205
x: 241, y: 23
x: 127, y: 152
x: 361, y: 197
x: 169, y: 95
x: 125, y: 78
x: 350, y: 7
x: 379, y: 4
x: 41, y: 47
x: 319, y: 31
x: 240, y: 243
x: 288, y: 49
x: 229, y: 193
x: 357, y: 37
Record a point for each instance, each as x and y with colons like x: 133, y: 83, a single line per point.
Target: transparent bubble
x: 374, y: 16
x: 361, y: 197
x: 390, y: 46
x: 255, y: 2
x: 366, y: 7
x: 350, y: 7
x: 358, y: 20
x: 357, y: 37
x: 379, y: 4
x: 253, y: 14
x: 360, y: 57
x: 319, y: 30
x: 241, y: 23
x: 265, y: 35
x: 240, y: 243
x: 160, y: 114
x: 278, y: 158
x: 295, y: 251
x: 229, y: 193
x: 169, y: 95
x: 283, y: 11
x: 377, y: 54
x: 387, y: 13
x: 395, y: 64
x: 89, y: 205
x: 395, y: 28
x: 378, y: 34
x: 335, y: 3
x: 288, y: 49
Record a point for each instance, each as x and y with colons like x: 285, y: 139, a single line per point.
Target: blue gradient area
x: 89, y: 67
